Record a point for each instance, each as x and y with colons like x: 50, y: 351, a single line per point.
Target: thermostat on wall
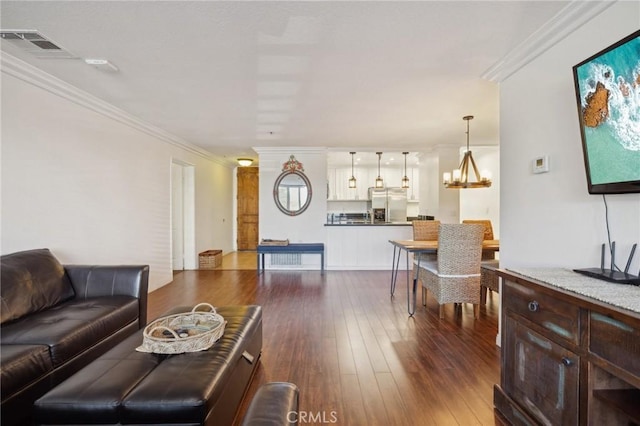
x: 541, y: 164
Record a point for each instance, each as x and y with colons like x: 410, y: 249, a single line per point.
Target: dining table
x: 416, y: 248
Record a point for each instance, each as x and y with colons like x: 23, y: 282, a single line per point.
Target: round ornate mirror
x: 292, y: 192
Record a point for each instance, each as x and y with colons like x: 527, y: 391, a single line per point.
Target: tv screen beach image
x: 609, y: 92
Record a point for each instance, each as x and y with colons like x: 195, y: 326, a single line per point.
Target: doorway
x: 248, y: 208
x: 183, y: 254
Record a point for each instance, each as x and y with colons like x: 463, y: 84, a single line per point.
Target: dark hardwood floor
x: 353, y: 351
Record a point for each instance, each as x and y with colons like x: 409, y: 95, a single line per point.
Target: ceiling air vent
x: 33, y: 42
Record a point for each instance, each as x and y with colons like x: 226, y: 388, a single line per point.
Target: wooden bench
x: 312, y: 248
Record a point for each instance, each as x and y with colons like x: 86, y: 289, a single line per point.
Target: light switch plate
x: 541, y: 164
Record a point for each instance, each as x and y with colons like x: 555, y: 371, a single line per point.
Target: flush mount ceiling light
x: 101, y: 64
x: 405, y: 179
x: 244, y: 162
x: 352, y: 179
x: 379, y: 182
x: 459, y: 179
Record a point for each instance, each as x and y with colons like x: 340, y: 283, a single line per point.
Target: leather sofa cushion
x: 22, y: 365
x: 96, y: 391
x: 71, y: 327
x: 31, y: 281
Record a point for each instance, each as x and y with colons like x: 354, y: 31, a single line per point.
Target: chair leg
x: 476, y: 311
x: 441, y: 311
x: 424, y: 297
x: 483, y: 295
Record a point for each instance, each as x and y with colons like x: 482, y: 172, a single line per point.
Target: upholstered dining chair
x: 488, y: 277
x: 455, y: 276
x: 488, y: 235
x: 425, y: 230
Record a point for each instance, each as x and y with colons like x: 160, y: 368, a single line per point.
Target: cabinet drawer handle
x: 534, y: 306
x: 567, y: 362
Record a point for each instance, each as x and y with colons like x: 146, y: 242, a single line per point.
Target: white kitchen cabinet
x: 413, y: 192
x: 363, y: 182
x: 343, y: 179
x: 392, y: 177
x: 331, y: 184
x: 341, y: 184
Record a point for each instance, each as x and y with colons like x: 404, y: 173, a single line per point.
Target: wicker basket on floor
x: 186, y: 332
x: 210, y: 259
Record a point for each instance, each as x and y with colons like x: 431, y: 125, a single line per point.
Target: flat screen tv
x: 607, y: 89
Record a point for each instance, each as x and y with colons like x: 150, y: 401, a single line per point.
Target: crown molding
x: 569, y: 19
x: 21, y: 70
x: 289, y: 150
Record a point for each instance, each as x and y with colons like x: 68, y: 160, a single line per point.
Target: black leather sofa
x: 56, y: 319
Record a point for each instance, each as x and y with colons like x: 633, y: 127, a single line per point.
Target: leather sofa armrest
x: 120, y: 280
x: 274, y: 404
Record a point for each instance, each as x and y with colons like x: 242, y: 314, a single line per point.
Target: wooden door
x: 247, y: 208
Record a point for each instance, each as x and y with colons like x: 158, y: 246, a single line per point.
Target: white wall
x: 448, y: 199
x: 307, y: 227
x: 95, y: 190
x: 483, y: 203
x: 550, y: 219
x: 429, y: 184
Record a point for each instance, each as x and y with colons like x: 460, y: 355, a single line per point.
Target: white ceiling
x: 229, y: 76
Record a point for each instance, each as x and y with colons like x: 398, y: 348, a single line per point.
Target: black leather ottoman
x: 128, y: 387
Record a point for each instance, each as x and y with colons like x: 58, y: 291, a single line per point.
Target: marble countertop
x: 621, y: 295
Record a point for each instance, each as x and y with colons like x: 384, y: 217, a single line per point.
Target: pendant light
x: 352, y: 179
x: 379, y: 182
x: 459, y: 179
x: 405, y: 179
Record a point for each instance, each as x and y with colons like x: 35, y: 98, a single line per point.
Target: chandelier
x: 459, y: 179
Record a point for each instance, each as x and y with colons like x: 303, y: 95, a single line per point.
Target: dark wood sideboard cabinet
x: 567, y: 359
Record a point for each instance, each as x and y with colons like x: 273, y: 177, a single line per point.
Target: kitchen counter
x: 363, y: 246
x: 620, y: 295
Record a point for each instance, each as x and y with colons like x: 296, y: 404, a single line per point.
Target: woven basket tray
x: 186, y: 332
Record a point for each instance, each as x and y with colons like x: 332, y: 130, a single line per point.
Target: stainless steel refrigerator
x: 392, y: 200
